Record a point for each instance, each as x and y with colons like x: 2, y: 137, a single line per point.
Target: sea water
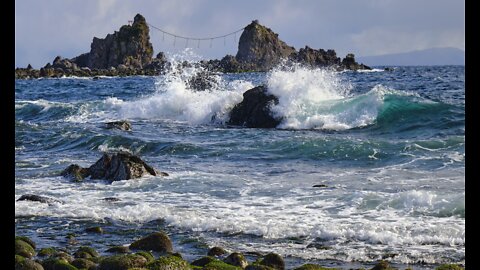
x: 364, y: 165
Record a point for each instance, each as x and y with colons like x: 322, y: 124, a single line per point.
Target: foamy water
x: 389, y: 159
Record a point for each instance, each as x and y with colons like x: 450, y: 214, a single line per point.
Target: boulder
x: 27, y: 264
x: 158, y: 241
x: 274, y: 261
x: 120, y: 166
x: 216, y: 251
x: 23, y: 248
x: 260, y: 45
x: 81, y: 263
x: 118, y: 249
x: 169, y: 263
x: 202, y: 81
x: 236, y: 259
x: 254, y: 110
x: 122, y: 262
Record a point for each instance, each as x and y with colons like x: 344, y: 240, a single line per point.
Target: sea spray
x: 174, y: 99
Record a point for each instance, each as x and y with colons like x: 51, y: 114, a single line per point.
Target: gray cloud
x: 45, y: 29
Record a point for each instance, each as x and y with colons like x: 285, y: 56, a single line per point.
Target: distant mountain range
x: 428, y: 57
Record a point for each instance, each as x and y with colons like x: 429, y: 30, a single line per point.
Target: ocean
x: 364, y: 166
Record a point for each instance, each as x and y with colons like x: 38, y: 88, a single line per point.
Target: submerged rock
x: 75, y: 172
x: 121, y: 125
x: 38, y: 198
x: 254, y: 110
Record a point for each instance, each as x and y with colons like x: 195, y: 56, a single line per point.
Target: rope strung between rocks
x: 198, y: 39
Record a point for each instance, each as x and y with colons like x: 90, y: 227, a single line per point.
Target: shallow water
x: 388, y: 146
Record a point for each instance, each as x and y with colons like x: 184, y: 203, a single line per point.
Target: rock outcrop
x: 260, y: 45
x: 254, y: 110
x: 113, y: 167
x: 121, y: 125
x: 129, y: 52
x: 129, y: 46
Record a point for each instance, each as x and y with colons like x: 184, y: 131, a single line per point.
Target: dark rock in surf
x: 349, y: 63
x: 202, y: 81
x: 254, y: 110
x: 75, y: 172
x: 37, y: 198
x: 121, y: 125
x: 120, y: 166
x: 158, y: 241
x: 113, y: 167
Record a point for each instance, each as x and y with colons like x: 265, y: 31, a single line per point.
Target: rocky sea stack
x: 129, y: 51
x: 130, y: 46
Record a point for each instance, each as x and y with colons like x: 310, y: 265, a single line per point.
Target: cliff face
x: 129, y: 46
x: 260, y: 45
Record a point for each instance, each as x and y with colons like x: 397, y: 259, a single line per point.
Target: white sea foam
x: 175, y: 100
x: 319, y: 99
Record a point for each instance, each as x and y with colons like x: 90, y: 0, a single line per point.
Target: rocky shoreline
x: 129, y: 52
x: 154, y: 251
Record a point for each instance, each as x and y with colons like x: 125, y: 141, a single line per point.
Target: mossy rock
x: 216, y: 251
x: 158, y: 241
x: 236, y: 259
x: 27, y: 264
x: 24, y: 249
x: 382, y: 265
x: 147, y: 255
x: 85, y: 252
x: 122, y: 262
x: 19, y: 258
x: 81, y: 263
x: 169, y: 263
x: 27, y: 240
x: 274, y: 261
x: 57, y: 264
x: 203, y: 261
x: 119, y: 249
x: 219, y: 265
x: 50, y: 251
x: 449, y: 267
x: 310, y: 266
x: 256, y: 266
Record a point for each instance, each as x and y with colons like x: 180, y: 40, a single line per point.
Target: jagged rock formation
x: 254, y: 110
x: 130, y: 46
x: 260, y: 45
x: 112, y: 167
x: 129, y: 52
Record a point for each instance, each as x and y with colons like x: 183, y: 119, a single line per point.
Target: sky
x: 47, y: 28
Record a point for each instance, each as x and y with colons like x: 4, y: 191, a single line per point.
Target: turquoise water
x: 388, y: 146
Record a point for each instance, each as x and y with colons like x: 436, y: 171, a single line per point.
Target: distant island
x: 129, y: 52
x: 427, y: 57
